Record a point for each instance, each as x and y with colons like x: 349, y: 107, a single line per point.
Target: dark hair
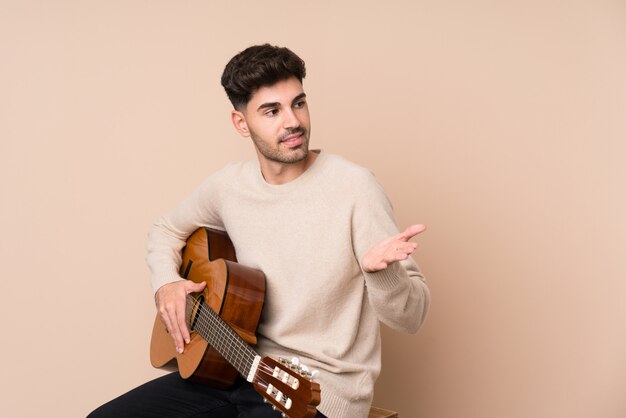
x: 256, y: 67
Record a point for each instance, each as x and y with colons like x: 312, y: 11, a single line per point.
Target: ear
x: 239, y: 122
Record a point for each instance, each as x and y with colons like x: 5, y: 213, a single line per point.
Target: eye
x: 299, y: 104
x: 271, y: 112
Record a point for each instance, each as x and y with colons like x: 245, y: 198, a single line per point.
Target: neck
x: 281, y: 173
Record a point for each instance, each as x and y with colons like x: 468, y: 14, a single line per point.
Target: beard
x: 280, y: 154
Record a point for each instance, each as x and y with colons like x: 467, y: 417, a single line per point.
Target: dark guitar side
x: 233, y: 291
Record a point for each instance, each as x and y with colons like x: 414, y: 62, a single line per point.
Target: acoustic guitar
x: 223, y: 319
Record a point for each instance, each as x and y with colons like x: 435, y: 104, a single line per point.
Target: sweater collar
x: 298, y: 181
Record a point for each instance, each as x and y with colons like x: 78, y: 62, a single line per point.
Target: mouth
x: 294, y: 139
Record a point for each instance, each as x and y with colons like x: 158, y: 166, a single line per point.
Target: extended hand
x: 392, y: 249
x: 171, y: 300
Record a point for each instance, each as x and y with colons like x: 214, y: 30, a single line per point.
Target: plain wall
x: 499, y: 124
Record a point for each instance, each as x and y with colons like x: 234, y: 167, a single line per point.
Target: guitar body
x: 235, y: 292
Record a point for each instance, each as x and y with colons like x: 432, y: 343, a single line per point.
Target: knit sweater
x: 308, y: 237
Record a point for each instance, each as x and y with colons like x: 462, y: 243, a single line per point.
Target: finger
x: 166, y: 321
x: 176, y: 334
x: 400, y: 255
x: 412, y: 231
x: 181, y: 317
x: 400, y: 251
x: 401, y: 246
x: 407, y: 247
x: 168, y: 316
x: 190, y: 287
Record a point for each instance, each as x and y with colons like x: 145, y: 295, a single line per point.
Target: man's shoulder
x: 348, y: 169
x: 229, y: 175
x: 233, y: 169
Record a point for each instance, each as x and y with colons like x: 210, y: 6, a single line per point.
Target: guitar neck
x: 222, y: 337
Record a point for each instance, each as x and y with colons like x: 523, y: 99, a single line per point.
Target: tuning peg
x: 295, y: 361
x: 314, y: 373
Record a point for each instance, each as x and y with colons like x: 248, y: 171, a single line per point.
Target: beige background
x: 500, y: 124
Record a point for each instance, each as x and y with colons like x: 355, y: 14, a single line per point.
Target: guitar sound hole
x: 194, y: 313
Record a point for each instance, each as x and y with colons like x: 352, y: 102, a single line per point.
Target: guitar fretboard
x: 220, y: 336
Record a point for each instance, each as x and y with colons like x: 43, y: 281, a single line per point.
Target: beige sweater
x: 307, y: 236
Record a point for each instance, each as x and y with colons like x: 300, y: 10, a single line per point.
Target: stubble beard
x: 276, y: 154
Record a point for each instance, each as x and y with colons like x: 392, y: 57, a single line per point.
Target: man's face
x: 277, y: 118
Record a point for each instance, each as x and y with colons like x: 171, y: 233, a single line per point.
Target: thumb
x: 196, y: 287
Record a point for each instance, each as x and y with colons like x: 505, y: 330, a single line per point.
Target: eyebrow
x: 277, y: 104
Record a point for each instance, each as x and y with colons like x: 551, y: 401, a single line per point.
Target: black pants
x: 173, y: 397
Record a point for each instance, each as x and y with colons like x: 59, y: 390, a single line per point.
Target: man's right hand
x: 171, y: 300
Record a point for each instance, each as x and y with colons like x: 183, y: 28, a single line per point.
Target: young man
x: 322, y: 231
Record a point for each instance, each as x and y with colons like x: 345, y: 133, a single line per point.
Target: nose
x: 290, y: 119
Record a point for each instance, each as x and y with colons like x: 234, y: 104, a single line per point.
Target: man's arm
x: 396, y: 287
x: 165, y: 242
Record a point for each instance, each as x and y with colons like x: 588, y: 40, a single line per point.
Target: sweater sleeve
x: 169, y: 233
x: 399, y: 293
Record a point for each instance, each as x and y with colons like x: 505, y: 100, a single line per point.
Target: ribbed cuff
x: 163, y: 279
x: 335, y: 407
x: 386, y: 279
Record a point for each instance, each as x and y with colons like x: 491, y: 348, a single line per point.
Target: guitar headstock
x: 288, y: 387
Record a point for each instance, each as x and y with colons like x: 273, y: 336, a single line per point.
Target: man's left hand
x: 391, y: 250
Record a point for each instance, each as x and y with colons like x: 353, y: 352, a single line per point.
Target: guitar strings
x: 218, y: 334
x: 227, y: 336
x: 214, y: 329
x: 243, y: 354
